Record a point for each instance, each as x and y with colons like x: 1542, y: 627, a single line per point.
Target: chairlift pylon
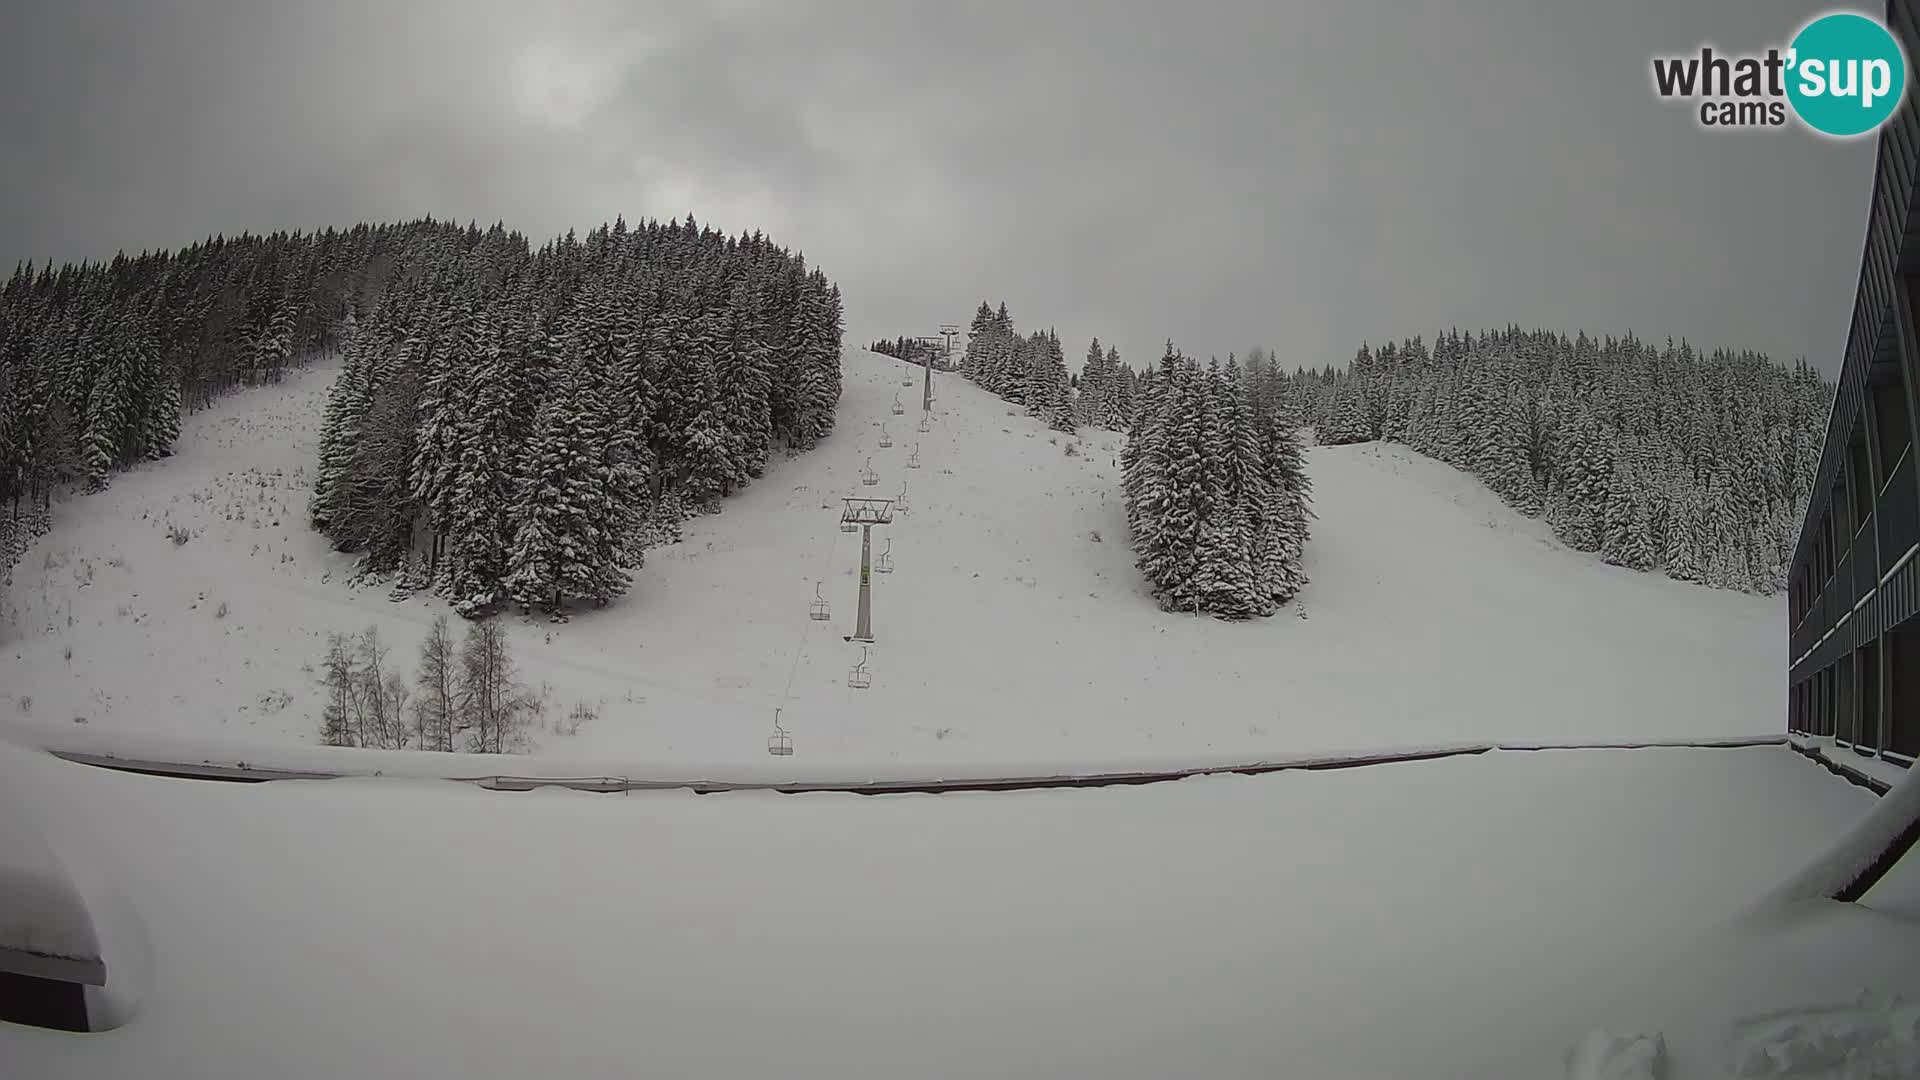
x: 818, y: 611
x: 883, y: 563
x: 779, y: 744
x: 868, y: 477
x: 860, y: 678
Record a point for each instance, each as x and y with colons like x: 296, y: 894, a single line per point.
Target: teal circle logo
x: 1846, y: 74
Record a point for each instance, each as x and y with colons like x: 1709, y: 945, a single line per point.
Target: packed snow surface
x: 191, y: 598
x: 1471, y: 917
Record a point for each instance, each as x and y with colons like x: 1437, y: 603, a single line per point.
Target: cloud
x: 1225, y: 174
x: 562, y: 86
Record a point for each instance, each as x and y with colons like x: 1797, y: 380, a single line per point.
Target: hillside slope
x: 1013, y: 628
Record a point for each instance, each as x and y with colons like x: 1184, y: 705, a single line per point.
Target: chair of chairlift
x: 886, y: 440
x: 868, y: 477
x: 913, y: 459
x: 926, y: 423
x: 897, y: 407
x: 779, y: 744
x: 818, y: 610
x: 900, y: 504
x: 884, y: 563
x: 860, y: 678
x: 848, y: 526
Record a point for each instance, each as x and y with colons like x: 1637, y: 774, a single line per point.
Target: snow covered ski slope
x: 190, y: 598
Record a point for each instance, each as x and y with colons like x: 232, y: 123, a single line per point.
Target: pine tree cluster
x: 1104, y: 391
x: 912, y: 350
x: 511, y: 426
x: 1216, y: 490
x: 1699, y: 466
x: 97, y: 360
x: 1030, y: 370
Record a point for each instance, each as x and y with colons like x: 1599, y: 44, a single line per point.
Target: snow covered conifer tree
x: 1095, y: 390
x: 566, y: 511
x: 973, y: 361
x: 1215, y: 493
x: 1051, y: 396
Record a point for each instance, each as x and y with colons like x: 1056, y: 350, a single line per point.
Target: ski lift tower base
x: 866, y: 513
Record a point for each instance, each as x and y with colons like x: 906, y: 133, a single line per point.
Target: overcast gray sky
x: 1227, y: 175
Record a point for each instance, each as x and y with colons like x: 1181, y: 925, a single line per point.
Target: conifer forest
x: 509, y: 425
x: 1696, y: 465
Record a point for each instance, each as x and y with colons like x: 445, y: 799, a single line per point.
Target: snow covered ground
x: 1014, y: 627
x: 1426, y: 920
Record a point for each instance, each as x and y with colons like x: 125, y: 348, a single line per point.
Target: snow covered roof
x: 44, y: 927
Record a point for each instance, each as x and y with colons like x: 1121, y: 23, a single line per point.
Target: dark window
x: 1842, y: 515
x: 1824, y: 701
x: 1870, y: 695
x: 1822, y: 708
x: 1861, y: 481
x: 1890, y: 417
x: 1843, y: 715
x: 1903, y: 671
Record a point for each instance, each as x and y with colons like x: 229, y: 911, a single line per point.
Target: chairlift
x: 818, y: 610
x: 898, y: 408
x: 860, y: 678
x: 779, y: 744
x: 926, y: 423
x: 900, y: 503
x: 886, y: 440
x: 868, y: 477
x: 884, y: 563
x: 913, y: 459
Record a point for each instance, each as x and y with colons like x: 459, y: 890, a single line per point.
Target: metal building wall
x: 1854, y: 588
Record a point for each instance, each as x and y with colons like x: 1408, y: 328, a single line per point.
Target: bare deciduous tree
x: 496, y: 705
x: 342, y: 685
x: 382, y: 697
x: 437, y: 712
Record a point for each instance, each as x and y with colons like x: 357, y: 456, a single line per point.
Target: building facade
x: 1854, y: 589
